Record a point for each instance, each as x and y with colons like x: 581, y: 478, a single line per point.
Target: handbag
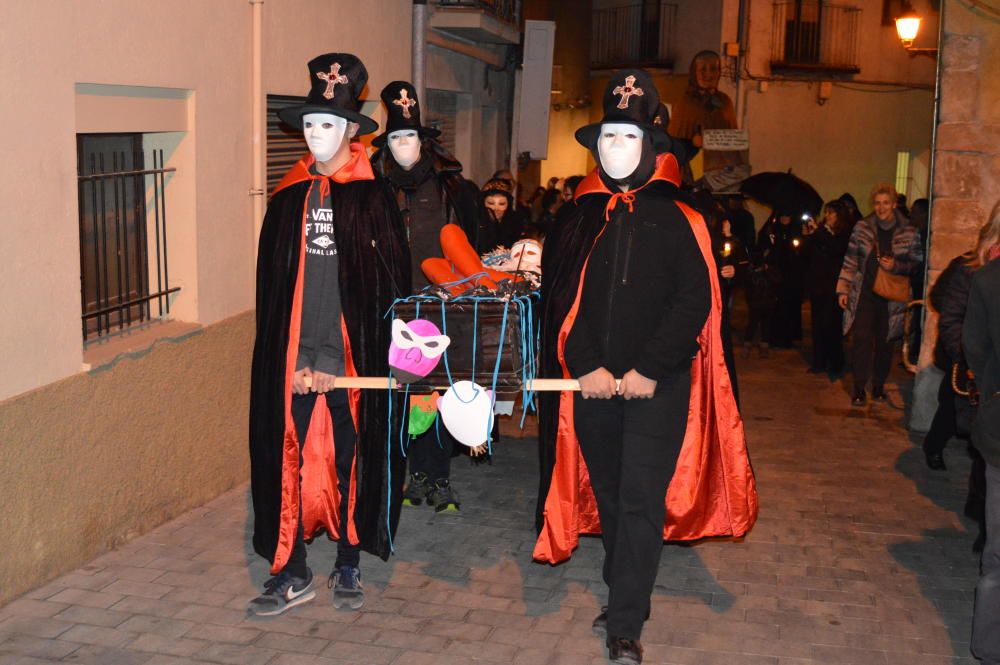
x: 889, y: 285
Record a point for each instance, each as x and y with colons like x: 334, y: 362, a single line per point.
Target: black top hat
x: 630, y: 97
x: 401, y: 103
x: 337, y: 81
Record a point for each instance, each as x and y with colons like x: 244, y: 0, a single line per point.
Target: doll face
x: 497, y: 205
x: 707, y: 72
x: 526, y: 255
x: 620, y: 149
x: 325, y: 134
x: 405, y: 147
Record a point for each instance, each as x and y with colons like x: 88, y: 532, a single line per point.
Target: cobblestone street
x: 861, y: 555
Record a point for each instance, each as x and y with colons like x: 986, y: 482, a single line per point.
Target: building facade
x: 824, y: 89
x: 134, y: 165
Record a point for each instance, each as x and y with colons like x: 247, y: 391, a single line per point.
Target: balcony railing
x: 504, y: 10
x: 635, y: 35
x: 815, y: 36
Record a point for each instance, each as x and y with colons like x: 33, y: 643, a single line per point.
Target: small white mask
x: 324, y: 134
x: 404, y: 145
x: 525, y: 255
x: 620, y: 149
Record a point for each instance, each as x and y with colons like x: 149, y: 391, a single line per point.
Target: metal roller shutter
x: 285, y: 146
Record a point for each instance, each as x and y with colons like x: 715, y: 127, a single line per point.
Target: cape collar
x: 667, y: 170
x: 358, y: 167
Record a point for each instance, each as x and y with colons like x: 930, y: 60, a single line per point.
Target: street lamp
x: 907, y: 27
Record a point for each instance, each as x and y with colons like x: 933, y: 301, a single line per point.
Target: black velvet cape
x: 567, y: 246
x: 374, y: 269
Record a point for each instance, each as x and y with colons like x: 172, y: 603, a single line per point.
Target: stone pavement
x: 860, y: 556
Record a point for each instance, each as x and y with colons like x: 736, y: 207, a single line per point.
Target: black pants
x: 346, y: 440
x: 944, y: 425
x: 759, y: 317
x: 872, y: 352
x: 631, y: 448
x: 431, y: 456
x: 827, y: 335
x: 786, y: 329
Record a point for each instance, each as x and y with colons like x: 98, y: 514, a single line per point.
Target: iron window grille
x: 813, y: 35
x: 505, y: 10
x: 115, y: 194
x: 640, y: 34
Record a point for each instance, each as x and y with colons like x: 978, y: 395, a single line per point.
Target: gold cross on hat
x: 404, y: 101
x: 627, y: 91
x: 332, y: 79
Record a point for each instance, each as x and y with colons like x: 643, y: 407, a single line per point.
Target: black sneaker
x: 600, y: 625
x: 878, y: 394
x: 346, y: 584
x: 935, y: 461
x: 281, y: 593
x: 622, y: 651
x: 416, y: 489
x: 443, y: 497
x: 859, y: 399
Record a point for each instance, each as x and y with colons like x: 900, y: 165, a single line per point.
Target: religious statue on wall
x: 702, y: 111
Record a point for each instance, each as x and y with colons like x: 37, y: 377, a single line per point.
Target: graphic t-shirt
x: 321, y: 344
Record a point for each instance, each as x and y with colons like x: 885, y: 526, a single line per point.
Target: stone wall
x: 967, y: 161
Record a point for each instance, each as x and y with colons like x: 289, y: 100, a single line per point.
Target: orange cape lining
x: 317, y: 494
x: 713, y: 492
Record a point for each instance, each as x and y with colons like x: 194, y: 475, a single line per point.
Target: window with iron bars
x: 815, y: 35
x: 123, y: 234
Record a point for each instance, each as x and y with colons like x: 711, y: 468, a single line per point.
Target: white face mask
x: 405, y: 147
x: 324, y: 134
x: 620, y: 149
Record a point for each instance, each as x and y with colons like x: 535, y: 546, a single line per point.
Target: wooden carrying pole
x: 383, y: 383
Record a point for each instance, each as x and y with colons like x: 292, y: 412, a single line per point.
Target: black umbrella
x: 785, y: 193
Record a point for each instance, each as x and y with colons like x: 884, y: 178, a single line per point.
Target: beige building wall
x: 90, y: 459
x: 848, y: 143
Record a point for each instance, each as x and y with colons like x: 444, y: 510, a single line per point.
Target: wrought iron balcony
x: 483, y: 21
x: 812, y: 35
x: 636, y: 35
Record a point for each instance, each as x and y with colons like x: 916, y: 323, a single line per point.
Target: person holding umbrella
x: 873, y: 289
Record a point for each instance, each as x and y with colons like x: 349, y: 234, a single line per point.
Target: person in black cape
x: 636, y: 266
x: 430, y: 191
x: 332, y: 257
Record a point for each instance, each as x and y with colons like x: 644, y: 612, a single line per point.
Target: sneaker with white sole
x: 347, y: 589
x: 281, y: 593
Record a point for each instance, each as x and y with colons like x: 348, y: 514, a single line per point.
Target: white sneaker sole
x: 354, y: 602
x: 304, y: 598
